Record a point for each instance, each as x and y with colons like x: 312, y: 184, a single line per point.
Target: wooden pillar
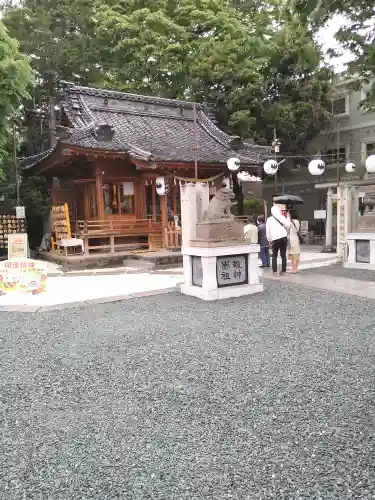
x: 174, y: 194
x: 153, y: 200
x: 140, y: 208
x: 164, y: 212
x: 99, y: 192
x: 86, y: 202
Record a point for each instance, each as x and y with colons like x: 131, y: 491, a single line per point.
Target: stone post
x: 329, y: 215
x: 355, y: 208
x: 188, y: 213
x: 203, y: 199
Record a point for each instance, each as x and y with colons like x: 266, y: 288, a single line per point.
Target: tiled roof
x: 150, y: 129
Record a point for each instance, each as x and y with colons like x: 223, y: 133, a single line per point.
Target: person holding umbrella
x: 277, y: 230
x: 292, y: 228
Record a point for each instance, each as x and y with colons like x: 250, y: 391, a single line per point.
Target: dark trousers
x: 265, y: 256
x: 279, y: 246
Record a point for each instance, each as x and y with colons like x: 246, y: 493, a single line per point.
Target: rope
x: 192, y: 179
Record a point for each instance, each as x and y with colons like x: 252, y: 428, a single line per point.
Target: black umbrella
x: 288, y: 199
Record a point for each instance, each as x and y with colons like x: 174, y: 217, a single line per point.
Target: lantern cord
x: 189, y: 179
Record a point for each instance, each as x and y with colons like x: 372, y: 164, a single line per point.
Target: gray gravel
x: 341, y: 272
x: 170, y: 398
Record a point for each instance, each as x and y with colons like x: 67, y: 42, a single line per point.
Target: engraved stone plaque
x: 362, y: 251
x: 232, y: 270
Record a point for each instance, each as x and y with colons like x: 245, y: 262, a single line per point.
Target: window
x: 330, y: 157
x: 368, y: 149
x: 365, y: 94
x: 116, y: 201
x: 340, y: 105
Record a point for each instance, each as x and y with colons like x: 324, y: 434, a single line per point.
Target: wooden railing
x: 112, y: 230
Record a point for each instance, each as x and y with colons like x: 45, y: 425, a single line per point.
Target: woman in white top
x: 294, y: 249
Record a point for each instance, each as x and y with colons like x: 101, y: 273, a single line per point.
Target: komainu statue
x: 220, y: 205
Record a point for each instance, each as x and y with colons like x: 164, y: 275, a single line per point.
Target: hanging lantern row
x: 317, y: 166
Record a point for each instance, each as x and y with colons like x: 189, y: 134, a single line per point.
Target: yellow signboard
x: 23, y: 275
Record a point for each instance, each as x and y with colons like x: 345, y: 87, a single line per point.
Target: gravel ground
x: 341, y: 272
x: 171, y: 398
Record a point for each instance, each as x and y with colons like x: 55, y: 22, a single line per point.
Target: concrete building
x: 351, y: 138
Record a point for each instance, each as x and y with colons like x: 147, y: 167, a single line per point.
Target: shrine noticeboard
x: 23, y: 275
x: 17, y: 245
x: 61, y: 223
x: 232, y: 270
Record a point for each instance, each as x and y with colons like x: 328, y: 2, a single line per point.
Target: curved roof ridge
x: 213, y: 130
x: 225, y: 138
x: 127, y: 96
x: 139, y: 113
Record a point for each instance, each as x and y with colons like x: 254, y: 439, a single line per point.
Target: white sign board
x: 23, y: 275
x: 320, y: 214
x: 17, y: 245
x: 20, y: 212
x: 128, y: 188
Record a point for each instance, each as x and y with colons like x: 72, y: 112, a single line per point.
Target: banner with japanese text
x: 23, y: 275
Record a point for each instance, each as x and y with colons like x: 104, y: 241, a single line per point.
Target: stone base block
x: 216, y: 243
x: 361, y: 250
x: 221, y: 272
x: 220, y: 230
x: 221, y: 293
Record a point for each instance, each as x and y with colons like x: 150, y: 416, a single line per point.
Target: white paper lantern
x: 161, y: 186
x: 270, y: 167
x: 350, y: 167
x: 370, y: 164
x: 233, y: 164
x: 316, y: 167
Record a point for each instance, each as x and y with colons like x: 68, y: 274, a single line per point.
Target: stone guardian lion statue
x: 220, y: 205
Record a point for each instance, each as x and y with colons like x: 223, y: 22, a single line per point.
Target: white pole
x: 329, y: 216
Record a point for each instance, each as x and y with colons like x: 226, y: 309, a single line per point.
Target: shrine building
x: 116, y: 151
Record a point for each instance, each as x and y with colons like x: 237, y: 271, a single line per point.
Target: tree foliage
x: 257, y: 63
x: 357, y: 35
x: 15, y: 79
x: 59, y: 38
x: 297, y: 99
x: 254, y: 61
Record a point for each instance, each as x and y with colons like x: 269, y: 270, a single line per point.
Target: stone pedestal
x: 361, y: 250
x: 219, y: 231
x: 218, y: 263
x: 214, y: 273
